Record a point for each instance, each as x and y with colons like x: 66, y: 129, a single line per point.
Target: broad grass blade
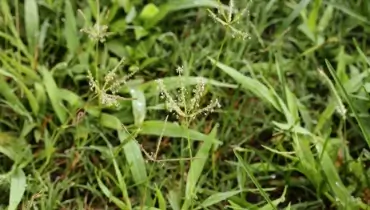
x: 17, y: 188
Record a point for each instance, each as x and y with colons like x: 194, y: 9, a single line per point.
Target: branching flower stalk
x: 112, y: 84
x: 96, y: 33
x: 183, y: 106
x: 107, y: 94
x: 227, y: 19
x: 186, y: 105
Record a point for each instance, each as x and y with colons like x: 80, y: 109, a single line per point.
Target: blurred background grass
x: 292, y: 132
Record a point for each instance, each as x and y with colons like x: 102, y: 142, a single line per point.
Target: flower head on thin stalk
x: 97, y: 32
x: 227, y: 19
x: 112, y: 84
x: 184, y: 104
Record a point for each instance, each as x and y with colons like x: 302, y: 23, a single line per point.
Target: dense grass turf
x: 186, y: 104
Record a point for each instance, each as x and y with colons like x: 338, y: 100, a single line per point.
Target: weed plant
x: 99, y: 108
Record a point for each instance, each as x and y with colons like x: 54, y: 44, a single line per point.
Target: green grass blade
x: 161, y: 201
x: 276, y: 202
x: 17, y: 188
x: 71, y: 98
x: 349, y: 12
x: 189, y: 4
x: 31, y: 98
x: 254, y: 180
x: 109, y: 194
x: 249, y: 84
x: 362, y: 54
x: 8, y: 149
x: 12, y: 100
x: 16, y: 43
x: 217, y: 198
x: 121, y: 181
x: 314, y: 15
x: 174, y: 199
x: 70, y: 28
x: 110, y: 121
x: 53, y: 93
x: 131, y: 148
x: 13, y: 38
x: 326, y: 18
x: 134, y: 158
x: 341, y: 193
x: 138, y: 105
x: 295, y: 13
x: 196, y: 167
x: 173, y: 130
x: 361, y: 124
x: 32, y: 23
x: 15, y: 67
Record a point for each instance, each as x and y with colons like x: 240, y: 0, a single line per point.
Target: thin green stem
x: 219, y: 52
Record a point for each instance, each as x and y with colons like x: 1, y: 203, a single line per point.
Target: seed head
x: 228, y: 19
x: 97, y: 32
x: 112, y: 84
x: 186, y: 105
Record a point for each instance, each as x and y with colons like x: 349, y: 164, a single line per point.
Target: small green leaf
x: 140, y: 32
x: 110, y: 121
x: 138, y: 105
x: 149, y: 11
x: 131, y: 15
x: 118, y: 26
x: 126, y: 4
x: 218, y: 197
x: 117, y: 48
x: 72, y: 98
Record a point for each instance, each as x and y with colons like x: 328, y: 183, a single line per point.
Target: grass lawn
x: 184, y: 104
